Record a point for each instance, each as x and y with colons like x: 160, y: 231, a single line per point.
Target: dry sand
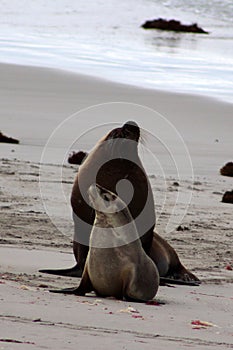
x: 40, y: 99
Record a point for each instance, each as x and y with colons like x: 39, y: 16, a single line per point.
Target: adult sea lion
x: 114, y: 164
x: 116, y: 263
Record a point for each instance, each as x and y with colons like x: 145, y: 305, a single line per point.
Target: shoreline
x: 107, y: 80
x: 35, y: 101
x: 112, y: 44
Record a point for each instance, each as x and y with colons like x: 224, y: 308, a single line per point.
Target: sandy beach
x: 34, y: 101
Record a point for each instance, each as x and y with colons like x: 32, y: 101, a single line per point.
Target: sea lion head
x: 123, y: 141
x: 109, y: 207
x: 130, y: 130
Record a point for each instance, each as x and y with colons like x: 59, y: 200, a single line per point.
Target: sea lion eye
x: 106, y: 198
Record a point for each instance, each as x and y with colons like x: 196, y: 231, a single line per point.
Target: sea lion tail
x: 74, y: 271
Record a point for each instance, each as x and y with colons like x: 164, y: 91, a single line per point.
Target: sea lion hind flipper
x: 182, y: 276
x: 72, y: 290
x: 74, y: 271
x: 166, y: 280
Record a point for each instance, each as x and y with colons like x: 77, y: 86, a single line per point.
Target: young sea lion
x: 116, y: 263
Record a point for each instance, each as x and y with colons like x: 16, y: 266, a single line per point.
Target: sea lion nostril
x: 131, y: 126
x: 131, y: 123
x: 104, y: 193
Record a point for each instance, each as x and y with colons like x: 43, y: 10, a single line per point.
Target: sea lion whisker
x: 143, y: 137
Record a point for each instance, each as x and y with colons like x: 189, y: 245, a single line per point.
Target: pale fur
x: 123, y: 270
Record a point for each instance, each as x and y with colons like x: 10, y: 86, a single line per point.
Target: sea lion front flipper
x: 84, y: 287
x: 166, y: 280
x: 74, y: 271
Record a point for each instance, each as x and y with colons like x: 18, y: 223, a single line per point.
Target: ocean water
x: 105, y: 39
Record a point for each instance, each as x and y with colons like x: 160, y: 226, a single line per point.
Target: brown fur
x: 118, y: 270
x: 108, y: 176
